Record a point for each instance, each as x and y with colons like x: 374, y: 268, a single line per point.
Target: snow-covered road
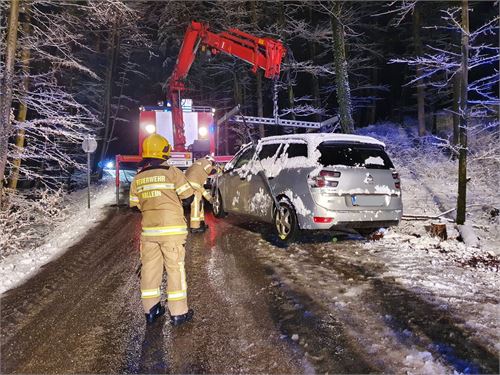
x: 329, y: 303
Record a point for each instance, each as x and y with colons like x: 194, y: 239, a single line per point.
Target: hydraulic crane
x: 261, y: 53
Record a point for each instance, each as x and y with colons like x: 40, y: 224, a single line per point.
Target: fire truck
x: 181, y: 122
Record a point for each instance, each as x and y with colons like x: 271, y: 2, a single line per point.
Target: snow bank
x: 73, y: 223
x: 429, y: 178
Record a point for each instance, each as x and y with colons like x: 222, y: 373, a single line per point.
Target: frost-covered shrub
x: 432, y: 161
x: 26, y: 217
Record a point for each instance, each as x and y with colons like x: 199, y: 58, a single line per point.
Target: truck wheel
x: 217, y: 207
x: 285, y: 221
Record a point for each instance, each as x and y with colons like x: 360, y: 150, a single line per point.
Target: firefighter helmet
x: 155, y: 146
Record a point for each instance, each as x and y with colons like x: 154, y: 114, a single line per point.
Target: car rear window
x: 354, y: 155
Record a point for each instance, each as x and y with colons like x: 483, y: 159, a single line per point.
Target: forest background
x: 70, y: 69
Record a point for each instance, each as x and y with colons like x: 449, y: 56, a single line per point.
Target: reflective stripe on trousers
x: 150, y: 293
x: 197, y: 213
x: 157, y: 257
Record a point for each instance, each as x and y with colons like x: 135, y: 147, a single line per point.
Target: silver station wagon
x: 319, y: 181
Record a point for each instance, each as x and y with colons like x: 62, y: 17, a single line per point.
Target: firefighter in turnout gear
x: 197, y: 175
x: 160, y: 191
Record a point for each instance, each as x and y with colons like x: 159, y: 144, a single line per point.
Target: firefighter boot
x: 177, y: 320
x: 203, y: 227
x: 154, y: 313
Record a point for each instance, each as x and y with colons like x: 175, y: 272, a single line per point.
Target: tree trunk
x: 341, y: 75
x: 372, y: 112
x: 113, y: 52
x: 464, y: 112
x: 420, y: 83
x: 314, y: 78
x: 258, y: 88
x: 23, y: 109
x: 7, y: 87
x: 260, y: 103
x: 456, y: 99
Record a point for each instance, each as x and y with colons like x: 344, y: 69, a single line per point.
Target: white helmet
x: 210, y: 158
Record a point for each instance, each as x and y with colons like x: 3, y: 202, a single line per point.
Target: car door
x: 235, y: 189
x: 260, y: 201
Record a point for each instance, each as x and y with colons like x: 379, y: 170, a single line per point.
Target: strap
x: 152, y: 167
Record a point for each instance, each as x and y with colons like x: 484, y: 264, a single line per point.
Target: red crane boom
x: 261, y: 53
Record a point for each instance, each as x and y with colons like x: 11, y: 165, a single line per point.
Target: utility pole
x: 6, y: 86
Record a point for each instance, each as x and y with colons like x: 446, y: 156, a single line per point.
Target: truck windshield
x: 354, y: 155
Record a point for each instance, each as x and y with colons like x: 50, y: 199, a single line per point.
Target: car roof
x: 317, y: 138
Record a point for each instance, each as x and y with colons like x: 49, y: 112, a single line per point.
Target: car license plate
x: 368, y: 200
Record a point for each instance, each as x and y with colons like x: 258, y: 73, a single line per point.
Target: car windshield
x: 354, y: 155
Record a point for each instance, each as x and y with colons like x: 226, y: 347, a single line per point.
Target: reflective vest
x: 157, y: 191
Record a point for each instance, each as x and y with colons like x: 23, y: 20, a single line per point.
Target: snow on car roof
x: 317, y: 138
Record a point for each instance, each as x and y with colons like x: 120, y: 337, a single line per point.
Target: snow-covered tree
x: 472, y: 63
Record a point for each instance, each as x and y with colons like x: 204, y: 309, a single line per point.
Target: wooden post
x: 437, y: 230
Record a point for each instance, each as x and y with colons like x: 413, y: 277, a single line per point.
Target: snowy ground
x: 429, y: 181
x: 446, y: 276
x: 73, y: 223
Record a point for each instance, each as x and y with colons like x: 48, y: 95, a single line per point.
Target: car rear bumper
x: 352, y: 219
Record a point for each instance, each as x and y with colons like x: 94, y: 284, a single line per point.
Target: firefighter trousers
x: 197, y: 213
x: 154, y: 257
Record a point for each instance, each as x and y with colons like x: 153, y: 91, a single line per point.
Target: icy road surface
x: 318, y: 306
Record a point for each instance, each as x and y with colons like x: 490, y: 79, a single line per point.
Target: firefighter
x: 197, y: 175
x: 160, y: 191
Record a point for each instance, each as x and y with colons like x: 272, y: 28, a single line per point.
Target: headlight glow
x: 150, y: 128
x: 203, y: 131
x: 109, y: 164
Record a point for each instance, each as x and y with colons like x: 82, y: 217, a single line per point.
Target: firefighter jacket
x: 157, y: 191
x: 197, y: 175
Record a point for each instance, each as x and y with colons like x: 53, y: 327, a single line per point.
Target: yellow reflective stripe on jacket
x: 177, y: 295
x: 164, y: 231
x: 195, y: 218
x: 209, y: 166
x: 157, y: 186
x: 195, y: 185
x: 206, y: 195
x: 134, y: 199
x: 181, y: 189
x: 150, y: 293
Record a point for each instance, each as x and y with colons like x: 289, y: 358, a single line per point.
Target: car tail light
x: 323, y: 220
x: 397, y: 183
x: 325, y: 179
x: 332, y: 174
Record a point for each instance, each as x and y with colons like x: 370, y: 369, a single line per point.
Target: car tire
x: 285, y: 221
x: 217, y: 207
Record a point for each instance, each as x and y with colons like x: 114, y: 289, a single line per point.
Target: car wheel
x: 217, y: 207
x: 285, y: 221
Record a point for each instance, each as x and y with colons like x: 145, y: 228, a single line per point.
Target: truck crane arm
x: 261, y: 53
